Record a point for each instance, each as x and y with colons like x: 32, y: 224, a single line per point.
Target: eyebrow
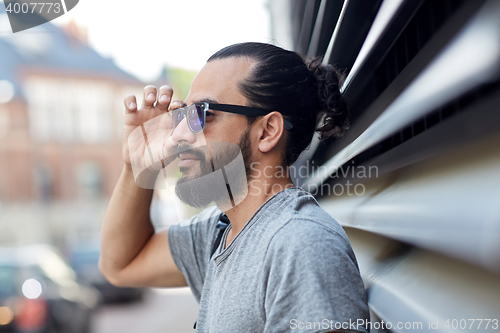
x: 207, y: 100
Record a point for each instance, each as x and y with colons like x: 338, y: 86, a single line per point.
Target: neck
x: 262, y: 186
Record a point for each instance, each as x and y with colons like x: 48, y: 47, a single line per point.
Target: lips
x: 184, y: 156
x: 187, y: 159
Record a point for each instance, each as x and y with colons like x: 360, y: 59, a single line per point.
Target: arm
x: 131, y: 253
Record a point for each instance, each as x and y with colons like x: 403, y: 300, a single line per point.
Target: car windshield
x: 8, y: 286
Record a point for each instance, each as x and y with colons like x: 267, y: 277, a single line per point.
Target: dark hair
x: 303, y: 91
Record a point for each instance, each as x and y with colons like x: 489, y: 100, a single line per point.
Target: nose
x: 182, y: 133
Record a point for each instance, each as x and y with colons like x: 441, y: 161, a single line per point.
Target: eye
x: 209, y: 114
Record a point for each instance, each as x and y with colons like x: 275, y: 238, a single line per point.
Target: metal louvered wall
x: 423, y: 83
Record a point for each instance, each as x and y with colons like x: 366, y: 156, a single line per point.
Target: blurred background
x: 422, y: 80
x: 62, y: 86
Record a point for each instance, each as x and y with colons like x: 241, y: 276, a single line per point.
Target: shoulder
x: 302, y: 231
x: 305, y: 219
x: 300, y: 218
x: 313, y: 237
x: 306, y: 249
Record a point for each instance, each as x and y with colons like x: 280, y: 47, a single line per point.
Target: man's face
x: 223, y: 137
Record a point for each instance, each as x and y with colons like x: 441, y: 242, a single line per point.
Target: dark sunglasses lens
x: 177, y: 117
x: 195, y: 118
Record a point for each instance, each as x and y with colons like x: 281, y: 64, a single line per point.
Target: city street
x: 161, y: 311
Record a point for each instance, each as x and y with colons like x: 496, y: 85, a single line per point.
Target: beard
x: 224, y: 173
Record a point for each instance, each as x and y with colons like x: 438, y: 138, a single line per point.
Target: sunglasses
x: 196, y: 114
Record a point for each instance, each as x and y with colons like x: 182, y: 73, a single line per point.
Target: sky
x: 142, y: 36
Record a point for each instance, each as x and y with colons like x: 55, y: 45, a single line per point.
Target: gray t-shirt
x: 290, y: 269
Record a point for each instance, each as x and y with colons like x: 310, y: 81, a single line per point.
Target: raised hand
x: 147, y: 134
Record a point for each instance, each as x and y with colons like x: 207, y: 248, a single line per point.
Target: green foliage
x: 180, y: 80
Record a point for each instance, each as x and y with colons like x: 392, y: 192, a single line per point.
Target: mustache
x: 199, y: 152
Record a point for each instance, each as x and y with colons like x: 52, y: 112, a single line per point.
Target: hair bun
x: 333, y: 113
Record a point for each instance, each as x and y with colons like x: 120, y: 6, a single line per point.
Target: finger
x: 149, y: 97
x: 176, y: 103
x: 130, y: 103
x: 164, y: 98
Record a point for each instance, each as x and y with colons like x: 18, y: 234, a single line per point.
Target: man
x: 282, y: 264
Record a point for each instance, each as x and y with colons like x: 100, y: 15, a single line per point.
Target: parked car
x: 39, y: 293
x: 84, y: 260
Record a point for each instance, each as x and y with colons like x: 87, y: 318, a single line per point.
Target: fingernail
x: 164, y: 98
x: 151, y: 96
x: 132, y: 105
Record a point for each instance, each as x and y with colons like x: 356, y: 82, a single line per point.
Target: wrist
x: 144, y: 179
x: 132, y: 186
x: 127, y: 169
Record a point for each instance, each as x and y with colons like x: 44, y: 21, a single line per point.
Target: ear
x: 271, y: 130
